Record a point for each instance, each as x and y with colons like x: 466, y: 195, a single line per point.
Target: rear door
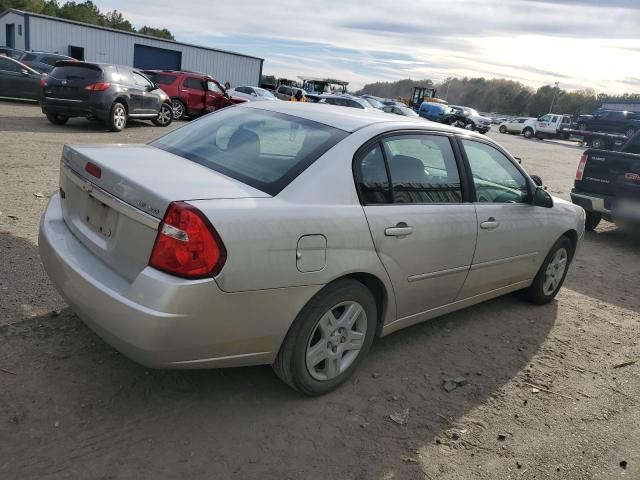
x: 423, y: 230
x: 510, y: 228
x: 193, y: 89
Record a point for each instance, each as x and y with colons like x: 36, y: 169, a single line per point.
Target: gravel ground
x: 72, y: 407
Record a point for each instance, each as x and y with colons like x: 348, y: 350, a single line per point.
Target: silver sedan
x: 290, y: 234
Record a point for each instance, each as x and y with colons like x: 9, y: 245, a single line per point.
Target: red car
x: 192, y: 94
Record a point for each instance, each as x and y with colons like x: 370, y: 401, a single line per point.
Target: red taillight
x: 187, y: 245
x: 93, y: 169
x: 581, y: 165
x: 98, y: 87
x: 43, y: 82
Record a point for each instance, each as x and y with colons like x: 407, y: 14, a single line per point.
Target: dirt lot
x: 72, y: 407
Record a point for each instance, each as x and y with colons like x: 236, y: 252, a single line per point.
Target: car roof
x: 347, y: 119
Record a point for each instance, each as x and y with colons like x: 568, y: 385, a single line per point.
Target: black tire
x: 528, y: 132
x: 57, y: 119
x: 592, y: 221
x: 165, y: 116
x: 291, y: 365
x: 179, y: 109
x: 502, y: 129
x: 582, y: 126
x: 536, y: 292
x: 630, y: 132
x: 117, y: 117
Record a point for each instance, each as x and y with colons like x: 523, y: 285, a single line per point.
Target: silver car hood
x: 149, y: 178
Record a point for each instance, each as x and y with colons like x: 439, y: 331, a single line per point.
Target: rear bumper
x: 592, y: 202
x: 75, y: 108
x: 163, y: 321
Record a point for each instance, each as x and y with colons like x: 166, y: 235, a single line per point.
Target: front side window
x: 140, y: 80
x: 496, y: 178
x: 215, y: 88
x: 263, y: 149
x: 545, y: 118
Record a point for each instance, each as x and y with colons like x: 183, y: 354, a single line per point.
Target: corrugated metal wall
x: 114, y: 47
x: 19, y: 35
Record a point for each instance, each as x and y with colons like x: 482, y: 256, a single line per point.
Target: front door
x: 10, y: 78
x: 548, y: 123
x: 510, y: 228
x: 150, y: 100
x: 423, y: 231
x: 216, y: 98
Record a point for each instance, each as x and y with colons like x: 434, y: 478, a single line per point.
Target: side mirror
x: 541, y: 198
x: 537, y: 180
x: 254, y: 94
x: 155, y: 86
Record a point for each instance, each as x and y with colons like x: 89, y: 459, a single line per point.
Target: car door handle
x: 490, y: 224
x: 400, y: 230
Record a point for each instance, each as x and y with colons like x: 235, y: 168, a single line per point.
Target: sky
x: 578, y: 43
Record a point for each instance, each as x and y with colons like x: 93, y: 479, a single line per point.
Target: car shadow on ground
x: 92, y: 413
x: 74, y: 125
x: 595, y: 278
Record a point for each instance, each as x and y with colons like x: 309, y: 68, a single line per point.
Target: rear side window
x: 194, y: 83
x: 423, y: 169
x: 266, y: 150
x: 9, y: 66
x: 373, y: 178
x: 162, y: 79
x: 28, y: 57
x: 51, y: 60
x: 76, y: 72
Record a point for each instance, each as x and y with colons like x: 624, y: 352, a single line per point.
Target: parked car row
x: 18, y: 80
x: 42, y: 62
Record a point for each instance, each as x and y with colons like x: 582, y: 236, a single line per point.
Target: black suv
x: 109, y: 93
x: 613, y: 121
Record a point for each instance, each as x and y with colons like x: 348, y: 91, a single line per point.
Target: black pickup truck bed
x: 608, y: 184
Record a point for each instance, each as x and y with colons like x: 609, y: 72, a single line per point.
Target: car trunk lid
x: 114, y: 197
x: 68, y: 80
x: 610, y: 173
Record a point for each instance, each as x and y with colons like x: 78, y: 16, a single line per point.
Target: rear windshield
x: 76, y: 72
x: 266, y: 150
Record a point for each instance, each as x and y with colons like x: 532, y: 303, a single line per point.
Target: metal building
x: 622, y: 104
x: 30, y: 31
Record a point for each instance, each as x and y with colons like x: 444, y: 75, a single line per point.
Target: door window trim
x: 469, y: 173
x: 465, y: 187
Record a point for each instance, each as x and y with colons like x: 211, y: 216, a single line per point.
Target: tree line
x: 501, y: 95
x: 86, y: 12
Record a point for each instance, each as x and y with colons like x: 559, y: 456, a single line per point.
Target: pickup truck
x: 607, y: 185
x: 558, y: 126
x: 611, y: 121
x: 547, y: 126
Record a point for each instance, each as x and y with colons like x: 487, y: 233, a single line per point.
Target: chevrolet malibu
x: 291, y: 234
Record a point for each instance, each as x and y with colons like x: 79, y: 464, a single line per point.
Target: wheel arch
x: 124, y: 101
x: 572, y: 235
x: 378, y: 290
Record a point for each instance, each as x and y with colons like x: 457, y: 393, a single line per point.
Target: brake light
x: 93, y: 169
x: 43, y: 83
x: 98, y: 87
x: 187, y: 245
x: 581, y: 165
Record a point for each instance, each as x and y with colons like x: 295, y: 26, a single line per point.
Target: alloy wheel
x: 119, y: 117
x: 165, y: 115
x: 336, y: 340
x: 178, y: 109
x: 555, y: 271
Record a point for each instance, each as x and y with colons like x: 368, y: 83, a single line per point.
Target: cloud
x: 538, y: 42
